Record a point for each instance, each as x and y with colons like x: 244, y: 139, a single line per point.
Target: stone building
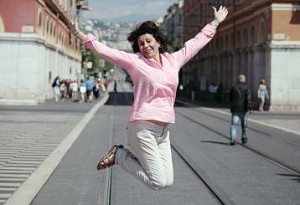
x: 36, y: 46
x: 260, y: 39
x: 172, y: 22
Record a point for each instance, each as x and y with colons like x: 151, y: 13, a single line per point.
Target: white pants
x: 150, y: 160
x: 56, y: 93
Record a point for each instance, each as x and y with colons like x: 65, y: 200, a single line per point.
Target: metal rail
x: 215, y: 190
x: 269, y: 158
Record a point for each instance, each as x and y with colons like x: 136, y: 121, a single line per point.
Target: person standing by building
x: 155, y: 77
x: 211, y: 92
x: 74, y: 87
x: 96, y: 89
x: 240, y: 104
x: 82, y: 90
x: 56, y: 88
x: 115, y: 86
x: 262, y: 95
x: 63, y: 90
x: 89, y: 89
x: 219, y: 94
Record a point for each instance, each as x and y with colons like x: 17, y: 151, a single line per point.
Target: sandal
x: 109, y: 159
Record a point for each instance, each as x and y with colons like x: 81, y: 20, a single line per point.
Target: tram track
x: 219, y: 194
x: 108, y: 172
x: 206, y: 112
x: 266, y: 156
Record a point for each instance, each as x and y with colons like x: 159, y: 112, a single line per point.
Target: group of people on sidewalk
x: 62, y: 88
x: 85, y: 91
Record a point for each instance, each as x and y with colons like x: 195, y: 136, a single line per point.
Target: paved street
x: 49, y: 154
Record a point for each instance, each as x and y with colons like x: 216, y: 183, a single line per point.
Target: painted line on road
x: 30, y: 188
x: 256, y: 121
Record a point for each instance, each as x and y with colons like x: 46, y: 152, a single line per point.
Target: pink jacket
x: 154, y: 85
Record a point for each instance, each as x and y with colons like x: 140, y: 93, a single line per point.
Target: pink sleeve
x: 112, y: 55
x: 194, y: 45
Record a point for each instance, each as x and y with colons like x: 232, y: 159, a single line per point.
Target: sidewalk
x: 33, y: 140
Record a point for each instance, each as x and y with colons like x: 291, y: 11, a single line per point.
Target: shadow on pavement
x: 215, y: 142
x: 120, y: 98
x: 181, y: 102
x: 294, y: 177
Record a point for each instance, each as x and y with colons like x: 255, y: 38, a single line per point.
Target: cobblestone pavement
x: 28, y: 134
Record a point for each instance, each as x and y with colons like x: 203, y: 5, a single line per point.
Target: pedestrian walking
x: 82, y: 90
x: 219, y: 94
x: 211, y: 92
x: 115, y: 86
x: 89, y: 89
x: 240, y: 104
x: 96, y: 89
x: 63, y: 90
x: 74, y: 87
x: 262, y: 95
x: 56, y: 88
x: 155, y: 77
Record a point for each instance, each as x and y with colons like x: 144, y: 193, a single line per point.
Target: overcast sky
x: 127, y: 10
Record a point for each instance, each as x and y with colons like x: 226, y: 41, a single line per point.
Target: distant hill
x: 129, y: 18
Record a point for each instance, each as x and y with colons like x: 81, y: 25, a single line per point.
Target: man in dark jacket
x: 240, y: 104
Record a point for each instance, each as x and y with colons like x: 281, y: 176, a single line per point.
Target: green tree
x: 95, y: 59
x: 108, y: 66
x: 174, y: 45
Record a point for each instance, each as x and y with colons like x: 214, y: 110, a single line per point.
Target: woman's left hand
x: 74, y: 26
x: 220, y: 14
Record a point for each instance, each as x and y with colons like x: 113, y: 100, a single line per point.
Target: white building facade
x: 36, y: 46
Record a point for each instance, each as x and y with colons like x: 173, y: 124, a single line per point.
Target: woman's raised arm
x: 76, y: 31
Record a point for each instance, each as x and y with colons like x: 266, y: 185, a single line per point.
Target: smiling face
x: 148, y: 46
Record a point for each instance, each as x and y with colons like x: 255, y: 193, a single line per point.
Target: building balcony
x: 82, y: 5
x: 57, y: 8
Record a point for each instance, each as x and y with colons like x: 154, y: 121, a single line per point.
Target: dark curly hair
x: 148, y: 27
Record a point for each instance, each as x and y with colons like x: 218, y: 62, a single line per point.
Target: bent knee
x: 158, y: 185
x: 163, y: 184
x: 170, y: 183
